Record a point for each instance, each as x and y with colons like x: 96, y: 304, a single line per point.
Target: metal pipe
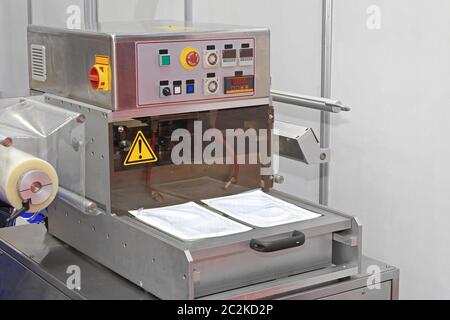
x: 91, y: 14
x: 325, y: 105
x: 325, y: 118
x: 30, y: 11
x: 77, y: 201
x: 188, y: 12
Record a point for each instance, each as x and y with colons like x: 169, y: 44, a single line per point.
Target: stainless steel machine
x: 134, y: 85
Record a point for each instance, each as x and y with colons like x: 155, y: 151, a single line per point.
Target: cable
x: 17, y: 213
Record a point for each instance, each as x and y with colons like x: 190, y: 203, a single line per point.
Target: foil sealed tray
x: 189, y: 222
x: 259, y: 209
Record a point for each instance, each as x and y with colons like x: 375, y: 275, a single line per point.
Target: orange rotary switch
x: 189, y: 58
x: 100, y: 74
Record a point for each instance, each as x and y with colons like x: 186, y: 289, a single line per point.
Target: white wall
x: 13, y: 56
x: 390, y: 153
x: 53, y: 12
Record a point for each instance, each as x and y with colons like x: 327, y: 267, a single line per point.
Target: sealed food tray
x: 259, y: 209
x: 189, y: 222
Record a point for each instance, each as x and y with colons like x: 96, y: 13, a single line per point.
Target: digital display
x: 239, y: 84
x: 229, y: 54
x: 241, y: 81
x: 246, y: 53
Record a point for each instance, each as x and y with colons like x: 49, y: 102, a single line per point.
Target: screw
x: 81, y: 118
x: 7, y: 142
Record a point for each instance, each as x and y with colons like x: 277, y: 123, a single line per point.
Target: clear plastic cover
x: 49, y: 133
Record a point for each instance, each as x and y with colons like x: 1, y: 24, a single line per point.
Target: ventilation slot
x: 38, y: 63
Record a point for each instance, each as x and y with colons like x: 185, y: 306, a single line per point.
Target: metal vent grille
x: 38, y: 63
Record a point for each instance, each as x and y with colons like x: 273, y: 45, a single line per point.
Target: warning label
x: 140, y: 152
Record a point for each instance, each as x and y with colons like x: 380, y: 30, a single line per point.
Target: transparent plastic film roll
x: 26, y: 179
x: 42, y: 143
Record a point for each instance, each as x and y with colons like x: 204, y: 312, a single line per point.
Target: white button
x: 177, y: 90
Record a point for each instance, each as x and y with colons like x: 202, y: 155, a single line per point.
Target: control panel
x: 194, y: 70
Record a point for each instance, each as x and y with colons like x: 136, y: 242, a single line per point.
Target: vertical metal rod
x: 188, y: 12
x: 325, y: 124
x: 30, y: 11
x: 91, y: 14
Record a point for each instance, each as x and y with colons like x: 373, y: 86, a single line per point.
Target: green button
x: 165, y: 60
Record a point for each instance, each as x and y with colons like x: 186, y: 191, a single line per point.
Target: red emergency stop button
x: 190, y: 58
x: 193, y: 58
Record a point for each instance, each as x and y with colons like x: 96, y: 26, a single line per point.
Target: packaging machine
x: 129, y: 89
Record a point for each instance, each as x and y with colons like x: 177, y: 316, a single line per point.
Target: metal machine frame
x: 160, y: 265
x: 163, y: 265
x: 146, y: 256
x: 39, y: 262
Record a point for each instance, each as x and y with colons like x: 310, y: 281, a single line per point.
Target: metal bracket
x: 347, y: 237
x: 300, y: 144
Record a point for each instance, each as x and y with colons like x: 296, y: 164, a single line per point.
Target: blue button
x: 190, y: 89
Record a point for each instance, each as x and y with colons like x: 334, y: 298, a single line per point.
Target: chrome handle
x: 315, y: 103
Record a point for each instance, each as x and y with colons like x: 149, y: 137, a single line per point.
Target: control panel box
x: 186, y: 78
x: 132, y: 67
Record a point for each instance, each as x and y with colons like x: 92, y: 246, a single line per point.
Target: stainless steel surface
x: 19, y: 283
x: 356, y: 287
x: 383, y: 293
x: 325, y: 117
x: 35, y: 266
x: 190, y: 107
x: 69, y: 60
x: 278, y: 288
x: 127, y: 248
x: 35, y: 186
x: 155, y: 261
x: 300, y: 144
x: 321, y: 104
x: 125, y: 245
x: 97, y: 153
x: 71, y: 54
x: 39, y: 263
x: 77, y: 201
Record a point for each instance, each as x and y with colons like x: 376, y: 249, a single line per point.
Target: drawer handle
x: 296, y: 239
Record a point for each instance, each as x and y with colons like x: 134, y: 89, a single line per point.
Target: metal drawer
x: 384, y: 293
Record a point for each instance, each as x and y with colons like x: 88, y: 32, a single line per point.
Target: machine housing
x: 155, y: 78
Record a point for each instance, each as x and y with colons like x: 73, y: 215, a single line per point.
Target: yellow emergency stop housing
x: 100, y: 74
x: 189, y: 58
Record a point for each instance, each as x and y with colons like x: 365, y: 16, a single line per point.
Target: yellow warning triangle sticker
x: 140, y: 152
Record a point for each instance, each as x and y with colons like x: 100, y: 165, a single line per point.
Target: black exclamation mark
x: 140, y: 149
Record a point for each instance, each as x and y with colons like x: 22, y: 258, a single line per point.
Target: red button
x: 193, y: 59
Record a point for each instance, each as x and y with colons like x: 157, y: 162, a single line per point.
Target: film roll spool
x: 26, y: 178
